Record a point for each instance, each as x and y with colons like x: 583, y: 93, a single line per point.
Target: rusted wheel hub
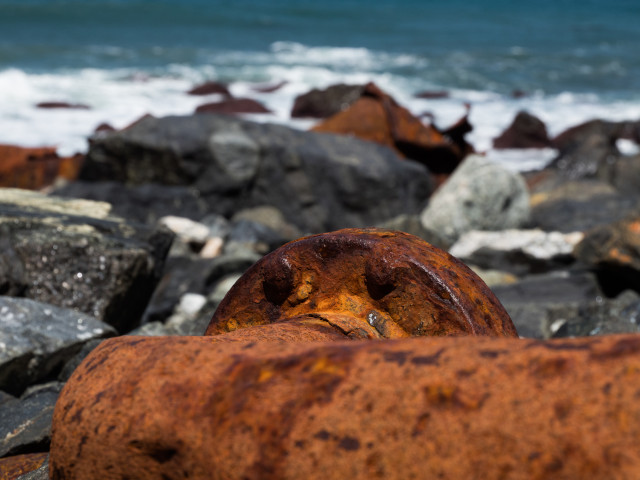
x: 366, y: 283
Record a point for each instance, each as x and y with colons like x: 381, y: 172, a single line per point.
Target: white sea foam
x: 118, y: 97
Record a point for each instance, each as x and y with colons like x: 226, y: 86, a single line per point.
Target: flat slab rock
x: 36, y: 339
x: 62, y: 252
x: 25, y: 423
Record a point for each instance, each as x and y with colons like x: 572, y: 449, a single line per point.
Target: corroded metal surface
x: 369, y: 283
x: 448, y: 408
x: 11, y: 468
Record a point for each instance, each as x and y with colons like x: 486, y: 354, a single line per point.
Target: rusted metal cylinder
x: 464, y: 407
x: 380, y: 283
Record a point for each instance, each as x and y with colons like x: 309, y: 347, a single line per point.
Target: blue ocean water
x: 574, y: 60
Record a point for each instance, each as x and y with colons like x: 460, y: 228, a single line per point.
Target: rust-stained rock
x: 448, y: 408
x: 13, y: 467
x: 35, y: 167
x: 388, y: 284
x: 375, y: 116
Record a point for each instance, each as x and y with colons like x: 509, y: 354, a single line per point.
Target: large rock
x: 320, y: 182
x: 526, y: 131
x: 613, y: 251
x: 36, y: 339
x: 587, y: 150
x: 377, y: 117
x: 63, y: 252
x: 480, y: 195
x: 577, y: 205
x: 324, y: 103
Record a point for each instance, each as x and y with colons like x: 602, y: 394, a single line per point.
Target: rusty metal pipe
x: 450, y: 408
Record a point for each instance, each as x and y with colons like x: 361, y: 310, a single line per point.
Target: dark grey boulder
x: 25, y: 423
x: 74, y: 254
x: 145, y: 203
x: 603, y: 317
x: 37, y: 339
x: 587, y: 150
x: 537, y: 302
x: 318, y: 181
x: 324, y: 103
x: 578, y: 205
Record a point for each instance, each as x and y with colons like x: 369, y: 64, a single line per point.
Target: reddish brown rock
x: 35, y: 168
x: 209, y: 88
x: 375, y: 283
x: 378, y: 118
x: 233, y: 106
x: 13, y: 467
x: 526, y: 131
x: 449, y: 408
x: 52, y: 105
x: 324, y: 103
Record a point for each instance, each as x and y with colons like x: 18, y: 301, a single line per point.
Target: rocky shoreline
x: 152, y: 227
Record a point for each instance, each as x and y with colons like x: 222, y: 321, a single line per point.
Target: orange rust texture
x: 35, y: 168
x: 12, y: 467
x: 448, y: 408
x: 378, y: 118
x: 370, y: 283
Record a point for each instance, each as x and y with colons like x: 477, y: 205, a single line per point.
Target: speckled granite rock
x: 62, y: 252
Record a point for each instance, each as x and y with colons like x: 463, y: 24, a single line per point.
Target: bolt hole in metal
x: 390, y: 284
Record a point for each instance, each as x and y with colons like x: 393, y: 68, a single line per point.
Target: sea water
x: 569, y: 61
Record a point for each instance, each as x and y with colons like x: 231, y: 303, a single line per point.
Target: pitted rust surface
x: 11, y: 468
x: 449, y: 408
x: 375, y: 283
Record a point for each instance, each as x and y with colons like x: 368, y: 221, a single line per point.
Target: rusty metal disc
x: 368, y: 282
